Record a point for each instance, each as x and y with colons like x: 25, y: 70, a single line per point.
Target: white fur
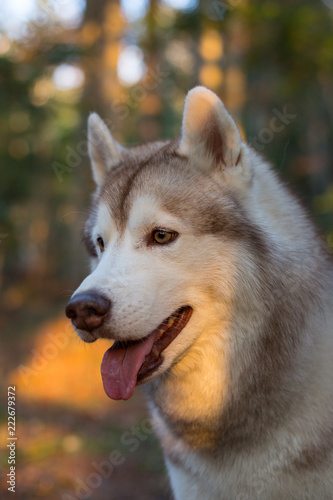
x: 103, y: 149
x: 217, y: 276
x: 201, y: 106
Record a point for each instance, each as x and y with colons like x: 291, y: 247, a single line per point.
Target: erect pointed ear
x: 104, y: 150
x: 209, y: 134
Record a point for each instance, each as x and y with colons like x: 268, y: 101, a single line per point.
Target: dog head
x: 166, y: 236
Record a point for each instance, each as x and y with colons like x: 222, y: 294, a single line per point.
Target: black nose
x: 87, y: 310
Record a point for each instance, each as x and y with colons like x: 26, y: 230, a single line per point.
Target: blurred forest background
x: 133, y: 63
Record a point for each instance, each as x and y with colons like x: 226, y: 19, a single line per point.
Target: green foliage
x: 283, y: 48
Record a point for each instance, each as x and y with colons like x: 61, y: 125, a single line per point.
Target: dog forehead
x: 146, y: 210
x: 158, y: 185
x: 165, y: 188
x: 104, y: 223
x: 142, y: 211
x: 145, y: 172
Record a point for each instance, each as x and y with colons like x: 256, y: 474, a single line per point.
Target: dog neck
x: 234, y: 395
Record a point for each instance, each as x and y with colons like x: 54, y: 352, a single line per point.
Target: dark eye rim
x: 152, y: 241
x: 100, y: 243
x: 89, y: 244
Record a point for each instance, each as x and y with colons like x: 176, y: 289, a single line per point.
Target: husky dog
x: 218, y: 294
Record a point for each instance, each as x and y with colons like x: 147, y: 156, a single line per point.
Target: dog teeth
x: 160, y: 333
x: 162, y: 330
x: 170, y: 322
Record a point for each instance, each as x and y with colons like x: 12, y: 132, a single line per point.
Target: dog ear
x: 209, y: 134
x: 104, y: 150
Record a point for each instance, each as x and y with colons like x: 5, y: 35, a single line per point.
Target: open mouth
x: 126, y: 364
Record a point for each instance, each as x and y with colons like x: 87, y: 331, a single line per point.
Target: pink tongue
x: 120, y: 367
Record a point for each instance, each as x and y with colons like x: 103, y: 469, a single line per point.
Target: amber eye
x: 162, y: 237
x: 100, y: 243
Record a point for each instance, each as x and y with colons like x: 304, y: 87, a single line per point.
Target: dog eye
x: 162, y: 237
x: 100, y: 243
